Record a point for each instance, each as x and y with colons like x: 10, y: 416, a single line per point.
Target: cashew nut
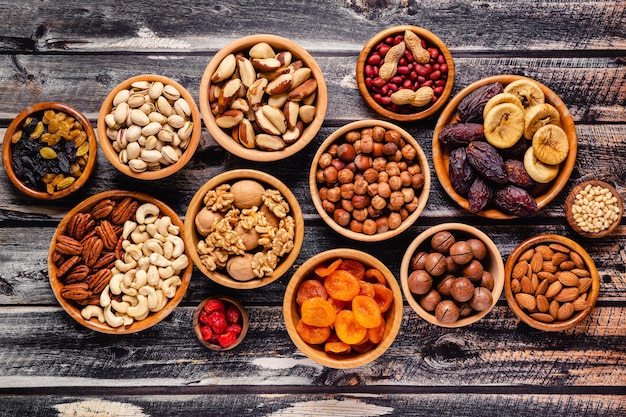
x: 170, y: 285
x: 180, y: 263
x: 153, y: 232
x: 129, y: 277
x: 179, y: 245
x: 105, y: 298
x: 153, y: 298
x: 162, y: 225
x: 129, y: 227
x: 153, y: 275
x: 128, y: 320
x: 140, y: 309
x: 168, y: 249
x: 151, y: 246
x: 141, y: 279
x: 159, y: 260
x: 130, y: 299
x: 162, y: 301
x: 128, y: 290
x: 139, y: 236
x: 120, y: 306
x: 166, y: 272
x: 115, y: 284
x: 147, y: 213
x: 111, y: 319
x: 133, y: 252
x: 92, y: 311
x: 125, y: 267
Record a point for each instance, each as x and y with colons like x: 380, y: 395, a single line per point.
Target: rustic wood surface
x: 77, y: 51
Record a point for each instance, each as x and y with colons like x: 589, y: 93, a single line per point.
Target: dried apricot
x: 338, y: 304
x: 326, y: 270
x: 383, y: 297
x: 366, y: 288
x: 366, y: 311
x: 376, y: 334
x: 337, y: 348
x: 312, y: 334
x: 356, y: 268
x: 310, y: 288
x: 348, y: 329
x: 342, y: 285
x: 317, y: 312
x: 363, y: 347
x: 375, y: 275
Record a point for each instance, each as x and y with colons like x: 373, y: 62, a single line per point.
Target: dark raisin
x: 30, y: 125
x: 479, y: 195
x: 487, y: 162
x: 460, y: 172
x: 518, y: 174
x: 515, y: 200
x: 470, y: 109
x: 460, y: 134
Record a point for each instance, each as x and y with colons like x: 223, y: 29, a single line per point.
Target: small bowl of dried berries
x: 49, y: 150
x: 220, y: 322
x: 504, y: 147
x: 405, y: 73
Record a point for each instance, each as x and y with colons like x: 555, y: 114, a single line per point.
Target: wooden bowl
x: 224, y: 137
x: 72, y: 308
x: 543, y: 193
x: 16, y: 125
x: 243, y: 321
x: 546, y: 240
x: 114, y: 157
x: 420, y: 113
x: 338, y: 135
x: 393, y: 316
x: 569, y: 203
x: 492, y: 263
x: 192, y: 237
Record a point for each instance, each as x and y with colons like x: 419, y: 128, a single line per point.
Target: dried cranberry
x: 233, y: 328
x: 203, y: 317
x: 227, y: 339
x: 232, y: 314
x: 207, y: 333
x: 214, y: 305
x: 217, y: 321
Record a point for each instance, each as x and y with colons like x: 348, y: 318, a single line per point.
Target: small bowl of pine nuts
x: 594, y: 209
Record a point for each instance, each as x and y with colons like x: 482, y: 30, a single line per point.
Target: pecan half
x: 76, y: 274
x: 106, y: 231
x: 78, y: 291
x: 98, y: 281
x: 124, y: 210
x: 67, y: 245
x: 68, y: 264
x: 106, y: 260
x: 79, y: 225
x: 102, y: 209
x: 92, y: 248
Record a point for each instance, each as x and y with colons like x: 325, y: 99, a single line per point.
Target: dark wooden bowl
x: 245, y: 323
x: 569, y: 202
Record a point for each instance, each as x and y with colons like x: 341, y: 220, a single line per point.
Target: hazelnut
x: 319, y: 176
x: 338, y: 163
x: 378, y: 133
x: 247, y: 194
x: 395, y: 220
x: 430, y: 300
x: 390, y: 148
x: 359, y: 214
x: 367, y: 144
x: 328, y: 206
x: 362, y: 162
x: 473, y: 271
x: 420, y: 282
x: 353, y: 136
x: 342, y: 217
x: 462, y: 289
x: 406, y: 178
x: 369, y: 227
x: 414, y: 169
x: 481, y: 299
x: 408, y: 152
x: 384, y: 190
x: 461, y: 252
x: 435, y: 264
x: 372, y: 189
x: 396, y: 200
x: 383, y: 176
x: 447, y: 311
x: 346, y: 190
x: 345, y: 176
x: 347, y: 205
x: 382, y: 224
x: 356, y: 226
x: 392, y: 169
x: 418, y: 261
x: 442, y: 241
x: 393, y: 136
x: 333, y: 194
x: 417, y: 181
x: 379, y: 163
x: 487, y: 280
x: 370, y: 175
x: 345, y: 152
x: 330, y: 174
x: 478, y: 248
x: 325, y: 160
x: 395, y: 183
x: 360, y: 201
x: 360, y: 185
x: 445, y: 284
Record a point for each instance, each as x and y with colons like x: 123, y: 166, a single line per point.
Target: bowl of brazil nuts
x: 343, y: 308
x: 504, y: 147
x: 49, y: 150
x: 149, y: 127
x: 244, y: 229
x: 594, y: 209
x: 550, y: 282
x: 405, y: 73
x: 369, y: 180
x: 263, y: 97
x: 118, y: 263
x: 452, y: 275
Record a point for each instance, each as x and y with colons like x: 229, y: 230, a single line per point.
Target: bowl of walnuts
x: 452, y: 274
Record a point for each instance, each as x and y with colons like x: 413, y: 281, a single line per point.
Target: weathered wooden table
x: 76, y: 51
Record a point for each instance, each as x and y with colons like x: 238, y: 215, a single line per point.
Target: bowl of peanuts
x: 263, y: 97
x: 550, y: 282
x: 244, y: 229
x: 149, y: 127
x: 118, y: 263
x: 594, y: 209
x: 369, y: 180
x: 49, y: 150
x: 405, y: 73
x: 343, y: 308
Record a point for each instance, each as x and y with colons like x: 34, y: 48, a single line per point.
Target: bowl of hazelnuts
x: 452, y: 274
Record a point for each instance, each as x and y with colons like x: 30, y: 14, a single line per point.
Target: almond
x: 544, y: 317
x: 567, y: 266
x: 567, y: 294
x: 544, y: 275
x: 565, y: 311
x: 568, y: 279
x: 581, y: 273
x: 527, y: 255
x: 526, y: 285
x: 553, y: 289
x: 580, y: 304
x: 548, y: 266
x: 554, y: 308
x: 557, y: 247
x: 515, y: 286
x: 536, y: 262
x: 542, y: 304
x: 577, y: 259
x: 519, y: 270
x: 545, y: 252
x: 526, y: 301
x: 583, y: 285
x: 559, y: 257
x: 542, y: 287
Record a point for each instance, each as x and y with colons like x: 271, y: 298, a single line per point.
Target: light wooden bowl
x: 244, y: 322
x: 224, y: 137
x: 192, y: 237
x: 543, y: 193
x: 113, y: 156
x: 314, y: 188
x: 16, y: 124
x: 492, y: 263
x: 393, y: 316
x: 569, y: 202
x: 592, y: 295
x: 74, y: 310
x: 421, y: 112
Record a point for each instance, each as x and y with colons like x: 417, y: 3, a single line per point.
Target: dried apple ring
x: 356, y: 268
x: 366, y: 288
x: 337, y: 348
x: 366, y: 311
x: 310, y: 288
x: 324, y: 271
x: 342, y: 285
x: 311, y: 334
x: 383, y: 297
x: 348, y: 329
x: 317, y: 312
x: 376, y: 334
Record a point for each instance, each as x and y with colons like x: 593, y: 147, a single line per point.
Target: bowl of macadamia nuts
x: 452, y: 275
x: 244, y: 229
x: 263, y: 97
x: 369, y: 180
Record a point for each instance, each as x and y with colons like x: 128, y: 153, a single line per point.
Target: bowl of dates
x: 118, y: 263
x: 369, y: 180
x: 405, y: 73
x: 452, y: 275
x: 504, y: 147
x: 343, y: 308
x: 263, y: 97
x: 220, y: 322
x: 49, y: 150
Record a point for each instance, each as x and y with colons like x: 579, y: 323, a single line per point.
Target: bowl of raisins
x: 49, y: 150
x: 504, y: 147
x: 405, y: 73
x: 343, y: 308
x: 220, y: 322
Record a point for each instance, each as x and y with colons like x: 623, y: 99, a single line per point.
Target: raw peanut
x: 388, y: 69
x: 413, y: 42
x: 544, y: 317
x: 553, y: 289
x: 565, y: 311
x: 568, y: 279
x: 567, y: 294
x: 526, y: 301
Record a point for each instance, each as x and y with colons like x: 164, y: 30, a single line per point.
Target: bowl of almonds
x: 49, y: 150
x: 149, y: 127
x: 405, y: 73
x: 263, y: 97
x: 551, y: 282
x: 118, y: 263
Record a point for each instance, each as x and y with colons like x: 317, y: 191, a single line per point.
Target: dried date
x: 518, y: 174
x: 461, y: 134
x: 515, y: 200
x: 487, y: 162
x: 479, y: 195
x: 470, y: 109
x: 460, y: 172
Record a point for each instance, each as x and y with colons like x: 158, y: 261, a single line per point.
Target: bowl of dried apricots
x: 343, y: 308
